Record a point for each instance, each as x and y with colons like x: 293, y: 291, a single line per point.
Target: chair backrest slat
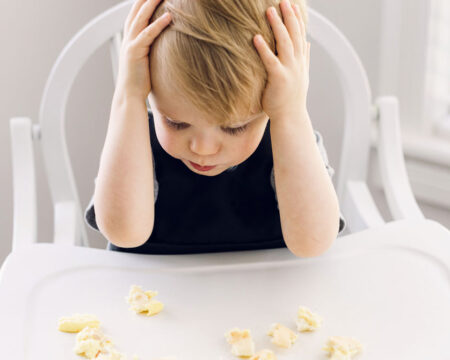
x: 114, y: 48
x: 356, y: 93
x: 53, y: 104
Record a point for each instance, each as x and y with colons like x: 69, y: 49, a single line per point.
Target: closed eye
x: 181, y: 126
x: 177, y: 126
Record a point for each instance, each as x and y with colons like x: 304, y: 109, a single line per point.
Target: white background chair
x: 361, y: 111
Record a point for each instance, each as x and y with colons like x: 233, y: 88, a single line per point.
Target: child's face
x: 196, y: 140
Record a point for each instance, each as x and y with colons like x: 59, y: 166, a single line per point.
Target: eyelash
x: 231, y: 131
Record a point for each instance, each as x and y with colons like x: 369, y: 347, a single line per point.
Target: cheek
x: 247, y: 146
x: 168, y: 141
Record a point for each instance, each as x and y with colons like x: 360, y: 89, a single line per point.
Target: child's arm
x: 308, y: 204
x: 328, y: 167
x: 123, y: 196
x: 307, y: 201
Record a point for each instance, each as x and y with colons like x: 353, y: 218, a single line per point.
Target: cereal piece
x: 282, y: 336
x: 241, y: 342
x: 264, y: 355
x: 109, y: 353
x: 77, y: 322
x: 91, y: 342
x: 342, y: 348
x: 143, y: 302
x: 306, y: 320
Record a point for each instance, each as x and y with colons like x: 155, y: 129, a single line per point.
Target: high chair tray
x: 389, y: 287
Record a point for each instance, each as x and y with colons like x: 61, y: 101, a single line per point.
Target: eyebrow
x: 253, y: 118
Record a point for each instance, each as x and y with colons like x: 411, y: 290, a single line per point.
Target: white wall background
x: 33, y: 33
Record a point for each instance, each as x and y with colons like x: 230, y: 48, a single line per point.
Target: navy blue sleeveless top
x: 235, y: 210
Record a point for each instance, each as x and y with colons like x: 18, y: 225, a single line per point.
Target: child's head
x: 207, y: 74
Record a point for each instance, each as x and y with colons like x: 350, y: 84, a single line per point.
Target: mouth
x: 202, y: 168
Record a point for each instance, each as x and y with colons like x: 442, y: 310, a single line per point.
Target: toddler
x: 227, y: 158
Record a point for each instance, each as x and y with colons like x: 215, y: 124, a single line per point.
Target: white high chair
x: 398, y: 269
x: 356, y: 202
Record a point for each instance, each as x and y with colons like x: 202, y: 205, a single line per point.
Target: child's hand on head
x: 138, y: 36
x: 288, y: 73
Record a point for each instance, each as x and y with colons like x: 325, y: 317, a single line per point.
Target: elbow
x: 128, y: 231
x: 309, y: 246
x: 317, y: 238
x: 120, y: 224
x: 122, y: 235
x: 127, y: 241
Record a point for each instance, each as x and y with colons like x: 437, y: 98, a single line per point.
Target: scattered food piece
x: 306, y: 320
x: 91, y: 342
x: 282, y: 336
x: 241, y: 342
x: 264, y: 355
x: 143, y: 302
x: 109, y: 353
x: 342, y: 348
x: 77, y: 322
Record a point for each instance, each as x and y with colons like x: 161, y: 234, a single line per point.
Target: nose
x: 204, y: 145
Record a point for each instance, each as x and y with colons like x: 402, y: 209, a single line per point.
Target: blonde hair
x: 207, y: 53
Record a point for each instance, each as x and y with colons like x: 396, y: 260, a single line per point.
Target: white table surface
x: 389, y: 287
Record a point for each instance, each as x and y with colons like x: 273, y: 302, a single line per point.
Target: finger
x: 302, y: 28
x: 150, y: 33
x: 301, y: 5
x: 283, y: 41
x: 308, y: 53
x: 301, y: 15
x: 131, y: 15
x: 266, y: 54
x: 142, y: 17
x: 292, y: 25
